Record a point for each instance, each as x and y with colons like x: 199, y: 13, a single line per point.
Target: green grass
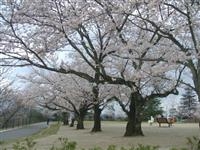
x: 52, y: 129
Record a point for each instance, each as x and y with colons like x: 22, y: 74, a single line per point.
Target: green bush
x: 65, y: 145
x: 27, y: 145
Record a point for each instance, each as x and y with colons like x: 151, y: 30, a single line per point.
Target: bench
x: 165, y: 120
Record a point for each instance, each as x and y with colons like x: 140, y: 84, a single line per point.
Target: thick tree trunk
x: 80, y: 123
x: 65, y: 117
x: 133, y: 127
x: 97, y: 119
x: 97, y: 110
x: 80, y: 118
x: 65, y: 121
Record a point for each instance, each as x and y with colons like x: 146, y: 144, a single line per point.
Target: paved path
x: 21, y: 132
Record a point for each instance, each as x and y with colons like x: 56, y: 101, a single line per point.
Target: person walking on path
x: 48, y: 121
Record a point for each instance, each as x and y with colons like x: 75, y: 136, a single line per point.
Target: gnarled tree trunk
x: 65, y: 117
x: 97, y: 119
x: 80, y: 117
x: 133, y: 127
x: 80, y: 124
x: 96, y: 107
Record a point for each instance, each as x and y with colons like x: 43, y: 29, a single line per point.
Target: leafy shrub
x: 193, y: 144
x: 27, y: 145
x: 65, y: 145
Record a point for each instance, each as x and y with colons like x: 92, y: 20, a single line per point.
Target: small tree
x: 188, y: 103
x: 153, y: 108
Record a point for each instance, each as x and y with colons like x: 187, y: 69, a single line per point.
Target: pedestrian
x: 48, y: 121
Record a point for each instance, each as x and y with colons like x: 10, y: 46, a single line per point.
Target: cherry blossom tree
x: 11, y: 102
x: 110, y: 38
x: 86, y: 34
x: 71, y: 34
x: 177, y: 23
x: 136, y: 66
x: 49, y: 92
x: 66, y: 92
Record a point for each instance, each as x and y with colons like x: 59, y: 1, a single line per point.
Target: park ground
x: 112, y: 134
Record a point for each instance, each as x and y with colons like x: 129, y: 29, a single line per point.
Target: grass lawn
x: 51, y: 130
x: 112, y: 134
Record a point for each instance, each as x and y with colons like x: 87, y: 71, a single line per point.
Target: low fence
x: 16, y: 122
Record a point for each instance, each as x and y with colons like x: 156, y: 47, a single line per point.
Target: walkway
x: 12, y: 134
